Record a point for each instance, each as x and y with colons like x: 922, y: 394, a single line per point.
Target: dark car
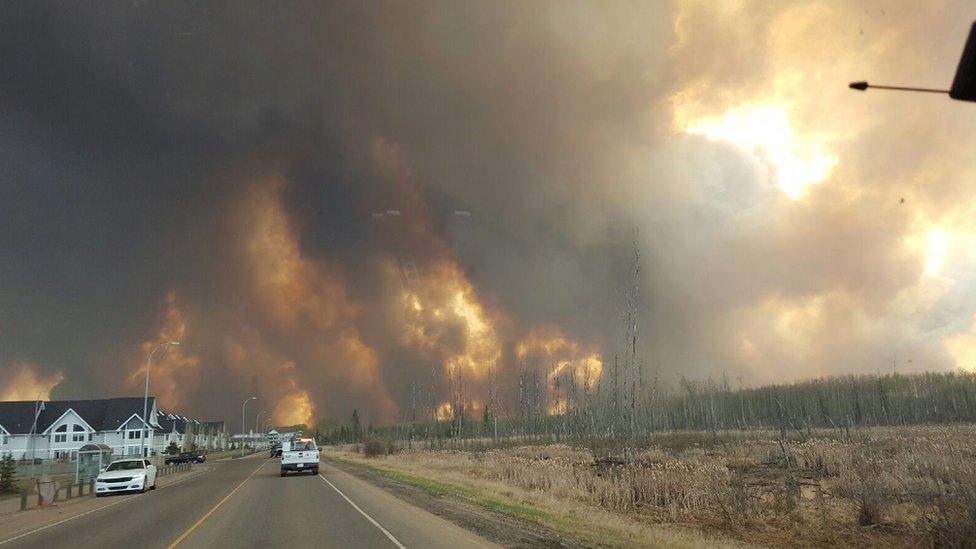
x: 185, y: 457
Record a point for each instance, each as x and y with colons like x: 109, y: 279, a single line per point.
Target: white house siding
x: 162, y: 440
x: 63, y: 444
x: 130, y: 438
x: 16, y: 445
x: 114, y: 440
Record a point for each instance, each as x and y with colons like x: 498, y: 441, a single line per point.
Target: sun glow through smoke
x: 766, y: 132
x: 936, y: 245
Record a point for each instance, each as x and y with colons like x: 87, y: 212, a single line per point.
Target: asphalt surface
x: 245, y: 503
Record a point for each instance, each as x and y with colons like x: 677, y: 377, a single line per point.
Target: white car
x: 126, y: 475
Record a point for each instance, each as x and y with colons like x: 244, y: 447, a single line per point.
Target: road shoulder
x: 18, y: 523
x: 498, y: 522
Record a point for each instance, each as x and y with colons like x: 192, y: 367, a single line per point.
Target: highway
x: 245, y: 503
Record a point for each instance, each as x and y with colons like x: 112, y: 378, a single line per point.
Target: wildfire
x: 445, y: 412
x: 174, y: 372
x: 444, y: 316
x: 290, y: 289
x: 295, y: 406
x: 547, y: 346
x: 301, y: 334
x: 278, y: 378
x: 303, y: 301
x: 21, y: 381
x: 441, y: 315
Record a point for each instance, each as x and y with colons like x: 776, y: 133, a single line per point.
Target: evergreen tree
x: 7, y: 471
x: 355, y: 425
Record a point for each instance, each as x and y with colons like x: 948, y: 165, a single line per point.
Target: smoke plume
x: 344, y: 207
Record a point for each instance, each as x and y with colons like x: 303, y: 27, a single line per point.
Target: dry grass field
x: 883, y: 486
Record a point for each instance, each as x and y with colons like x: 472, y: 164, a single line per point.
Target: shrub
x: 375, y: 446
x: 870, y: 514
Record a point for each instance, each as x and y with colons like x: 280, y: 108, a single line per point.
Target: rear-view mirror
x: 964, y: 84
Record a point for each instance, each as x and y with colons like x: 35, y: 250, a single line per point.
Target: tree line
x: 629, y: 408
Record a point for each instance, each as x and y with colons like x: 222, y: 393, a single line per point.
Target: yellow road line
x: 197, y: 524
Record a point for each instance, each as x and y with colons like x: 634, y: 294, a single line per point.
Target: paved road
x: 245, y: 503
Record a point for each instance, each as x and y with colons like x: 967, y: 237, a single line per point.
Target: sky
x: 348, y: 206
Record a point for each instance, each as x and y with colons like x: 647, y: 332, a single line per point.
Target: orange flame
x: 549, y: 346
x: 295, y: 406
x: 445, y: 412
x: 443, y: 315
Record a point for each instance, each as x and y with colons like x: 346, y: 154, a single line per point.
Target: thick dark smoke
x: 215, y: 173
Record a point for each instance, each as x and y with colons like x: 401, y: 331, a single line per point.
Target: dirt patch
x: 498, y: 528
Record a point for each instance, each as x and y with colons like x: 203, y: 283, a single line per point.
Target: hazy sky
x: 331, y: 204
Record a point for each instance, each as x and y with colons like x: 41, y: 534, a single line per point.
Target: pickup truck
x: 299, y: 455
x: 185, y: 457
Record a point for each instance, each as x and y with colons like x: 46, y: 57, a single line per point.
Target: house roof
x: 17, y: 416
x: 174, y: 422
x: 101, y: 414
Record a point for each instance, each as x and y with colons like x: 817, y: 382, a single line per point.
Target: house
x: 249, y: 440
x: 287, y: 435
x: 190, y: 434
x: 176, y: 429
x: 274, y: 437
x: 56, y: 429
x: 214, y: 435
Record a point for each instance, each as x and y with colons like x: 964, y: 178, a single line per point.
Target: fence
x: 175, y: 468
x: 72, y: 490
x: 50, y: 468
x: 67, y: 467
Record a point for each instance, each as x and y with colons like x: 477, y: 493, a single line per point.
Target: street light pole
x: 243, y: 427
x: 256, y: 418
x: 145, y: 398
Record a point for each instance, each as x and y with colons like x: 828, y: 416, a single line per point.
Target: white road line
x: 363, y: 513
x: 90, y: 511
